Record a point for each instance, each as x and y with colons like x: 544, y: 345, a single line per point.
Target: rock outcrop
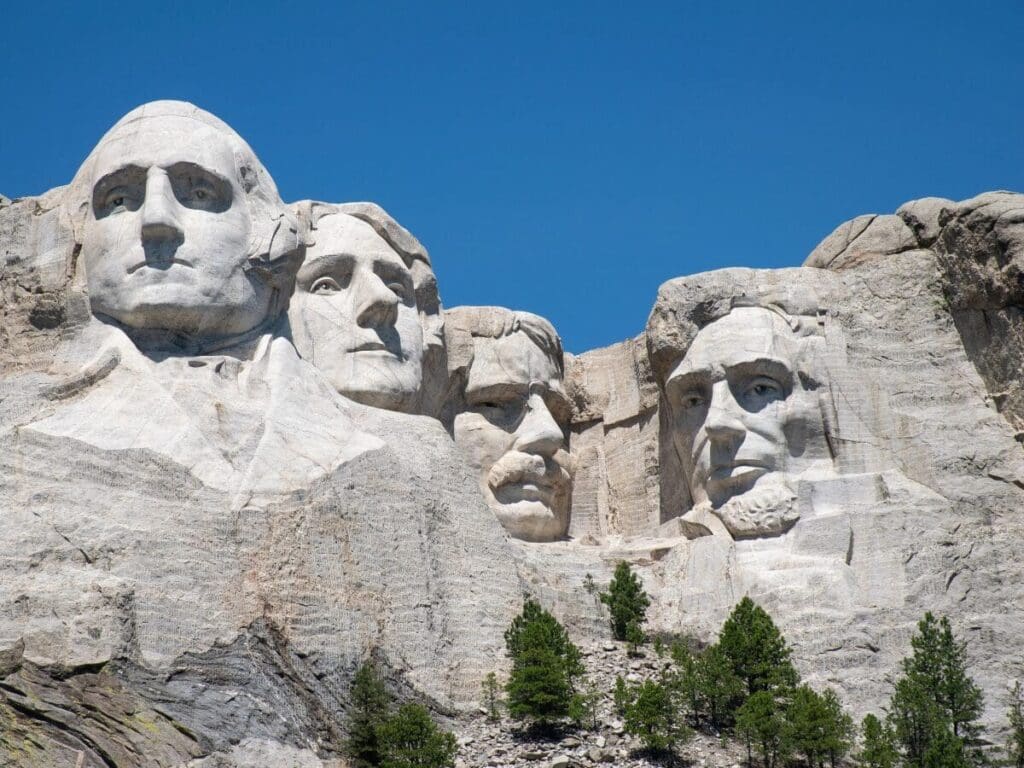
x: 227, y: 481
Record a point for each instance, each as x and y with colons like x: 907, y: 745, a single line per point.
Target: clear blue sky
x: 560, y: 157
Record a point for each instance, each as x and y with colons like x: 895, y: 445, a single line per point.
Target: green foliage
x: 410, y: 739
x: 635, y: 638
x: 492, y: 699
x: 370, y: 706
x: 935, y: 705
x: 1015, y: 739
x: 756, y: 650
x: 589, y: 585
x: 879, y: 744
x: 621, y: 696
x: 761, y: 723
x: 707, y: 685
x: 583, y: 707
x: 627, y: 603
x: 545, y: 666
x: 816, y: 727
x: 651, y: 715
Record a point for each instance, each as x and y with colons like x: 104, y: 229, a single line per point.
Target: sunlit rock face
x: 508, y: 412
x: 243, y: 449
x: 366, y: 309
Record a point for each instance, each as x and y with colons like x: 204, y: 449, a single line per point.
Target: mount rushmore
x: 244, y: 448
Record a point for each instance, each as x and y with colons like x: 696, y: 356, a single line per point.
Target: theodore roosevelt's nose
x: 538, y: 432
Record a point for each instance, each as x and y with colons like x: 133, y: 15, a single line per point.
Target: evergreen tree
x: 816, y: 727
x: 627, y: 603
x: 370, y: 706
x: 756, y: 650
x: 491, y: 698
x: 879, y: 744
x: 760, y: 722
x: 935, y: 705
x: 651, y: 715
x: 545, y: 667
x: 1015, y: 740
x: 707, y: 685
x: 410, y: 739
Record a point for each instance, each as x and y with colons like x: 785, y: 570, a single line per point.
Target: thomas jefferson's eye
x: 324, y: 285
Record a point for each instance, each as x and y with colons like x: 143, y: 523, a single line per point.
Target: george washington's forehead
x: 164, y: 141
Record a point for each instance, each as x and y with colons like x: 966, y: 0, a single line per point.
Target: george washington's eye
x: 324, y: 285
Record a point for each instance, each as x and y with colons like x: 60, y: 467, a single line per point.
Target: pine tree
x: 1015, y: 739
x: 491, y: 699
x: 935, y: 705
x: 627, y: 603
x: 545, y: 667
x: 761, y: 723
x: 707, y: 685
x: 651, y: 715
x: 816, y: 726
x: 370, y: 706
x: 879, y: 744
x: 410, y: 739
x: 756, y: 650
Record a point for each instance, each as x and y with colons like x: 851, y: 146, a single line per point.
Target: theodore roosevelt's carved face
x: 511, y: 431
x: 354, y: 315
x: 168, y: 231
x: 742, y: 418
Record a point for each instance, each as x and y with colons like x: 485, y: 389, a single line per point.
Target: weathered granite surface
x: 210, y: 517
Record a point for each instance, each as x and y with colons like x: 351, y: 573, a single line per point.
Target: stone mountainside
x: 206, y: 528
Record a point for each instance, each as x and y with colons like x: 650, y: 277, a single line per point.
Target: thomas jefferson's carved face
x: 741, y: 414
x: 168, y: 232
x: 511, y: 432
x: 354, y: 315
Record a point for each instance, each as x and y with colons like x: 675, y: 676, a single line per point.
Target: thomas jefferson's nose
x: 159, y: 209
x: 723, y: 422
x: 538, y: 432
x: 376, y: 304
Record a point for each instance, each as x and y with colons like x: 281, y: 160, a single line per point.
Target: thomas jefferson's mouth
x: 160, y: 264
x: 374, y: 346
x: 738, y: 468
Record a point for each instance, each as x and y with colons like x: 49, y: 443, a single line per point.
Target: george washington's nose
x: 160, y: 209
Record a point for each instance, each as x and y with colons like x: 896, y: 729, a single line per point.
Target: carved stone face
x: 354, y: 315
x: 167, y: 234
x: 512, y: 435
x: 741, y: 415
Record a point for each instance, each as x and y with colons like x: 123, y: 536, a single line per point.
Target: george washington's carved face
x: 168, y: 231
x: 742, y: 418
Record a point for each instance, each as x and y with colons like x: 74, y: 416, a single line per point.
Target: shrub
x: 627, y: 604
x: 492, y: 700
x: 707, y: 685
x: 1015, y: 739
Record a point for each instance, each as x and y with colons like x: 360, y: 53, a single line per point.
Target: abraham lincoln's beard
x: 769, y: 508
